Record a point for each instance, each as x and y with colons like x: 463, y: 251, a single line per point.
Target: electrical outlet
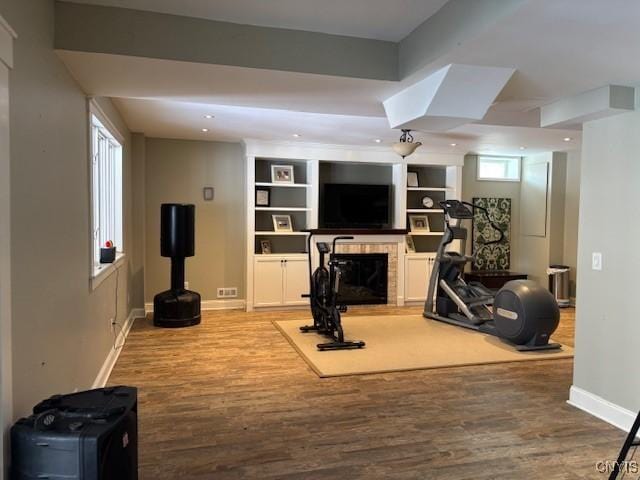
x: 228, y: 292
x: 596, y: 261
x: 186, y: 285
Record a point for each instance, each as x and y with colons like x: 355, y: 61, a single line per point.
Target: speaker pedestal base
x: 176, y: 308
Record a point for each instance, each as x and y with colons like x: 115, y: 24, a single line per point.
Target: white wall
x: 607, y: 326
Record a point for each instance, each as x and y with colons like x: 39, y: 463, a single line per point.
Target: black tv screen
x: 356, y: 206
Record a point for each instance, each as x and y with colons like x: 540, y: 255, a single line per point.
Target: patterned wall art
x: 496, y: 256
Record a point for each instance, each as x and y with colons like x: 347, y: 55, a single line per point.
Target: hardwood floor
x: 231, y: 399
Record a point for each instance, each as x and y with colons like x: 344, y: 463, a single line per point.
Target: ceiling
x: 558, y: 47
x: 176, y: 119
x: 379, y: 19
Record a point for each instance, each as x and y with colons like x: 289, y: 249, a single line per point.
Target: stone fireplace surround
x: 371, y: 243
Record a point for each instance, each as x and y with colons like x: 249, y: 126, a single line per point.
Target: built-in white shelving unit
x: 278, y: 279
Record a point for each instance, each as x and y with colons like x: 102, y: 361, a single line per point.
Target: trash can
x: 559, y: 284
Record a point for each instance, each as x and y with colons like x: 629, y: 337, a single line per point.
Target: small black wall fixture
x: 177, y: 307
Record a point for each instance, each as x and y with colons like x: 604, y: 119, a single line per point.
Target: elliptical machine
x: 521, y: 312
x: 323, y: 298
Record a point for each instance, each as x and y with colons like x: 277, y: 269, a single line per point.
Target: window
x: 505, y: 169
x: 106, y: 188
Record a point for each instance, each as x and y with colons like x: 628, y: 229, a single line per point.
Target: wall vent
x: 228, y: 292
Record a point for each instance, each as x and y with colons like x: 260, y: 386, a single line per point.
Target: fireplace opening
x: 364, y: 278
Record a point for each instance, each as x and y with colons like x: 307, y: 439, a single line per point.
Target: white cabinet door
x: 268, y: 281
x: 417, y: 273
x: 296, y: 281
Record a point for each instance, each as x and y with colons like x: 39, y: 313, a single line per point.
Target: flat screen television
x: 356, y: 206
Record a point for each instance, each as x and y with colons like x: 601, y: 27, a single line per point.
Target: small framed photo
x: 281, y: 173
x: 282, y: 223
x: 412, y: 179
x: 410, y: 246
x: 419, y: 223
x: 265, y: 247
x: 263, y: 197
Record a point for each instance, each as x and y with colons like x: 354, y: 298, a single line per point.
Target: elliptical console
x: 521, y: 312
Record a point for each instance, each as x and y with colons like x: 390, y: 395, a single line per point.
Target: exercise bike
x: 323, y: 298
x: 521, y: 312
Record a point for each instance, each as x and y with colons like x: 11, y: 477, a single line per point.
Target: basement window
x: 106, y: 189
x: 501, y: 169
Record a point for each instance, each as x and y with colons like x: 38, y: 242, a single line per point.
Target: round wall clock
x: 427, y: 202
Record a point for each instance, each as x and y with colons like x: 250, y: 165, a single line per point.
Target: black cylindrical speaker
x: 177, y: 230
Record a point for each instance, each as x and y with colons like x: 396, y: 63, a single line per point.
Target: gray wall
x: 530, y: 254
x: 538, y: 252
x: 607, y: 327
x: 571, y: 209
x: 176, y: 171
x: 471, y: 187
x: 146, y: 34
x: 57, y: 319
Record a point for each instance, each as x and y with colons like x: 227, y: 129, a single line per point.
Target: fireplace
x: 364, y: 278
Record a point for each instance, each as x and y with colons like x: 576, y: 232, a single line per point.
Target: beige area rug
x: 405, y: 342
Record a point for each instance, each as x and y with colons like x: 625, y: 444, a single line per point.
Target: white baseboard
x: 114, y: 353
x: 600, y: 408
x: 228, y: 304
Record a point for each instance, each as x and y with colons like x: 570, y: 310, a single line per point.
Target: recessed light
x: 208, y: 117
x: 296, y: 135
x: 378, y: 140
x: 205, y: 130
x: 523, y: 148
x: 567, y: 139
x: 453, y: 144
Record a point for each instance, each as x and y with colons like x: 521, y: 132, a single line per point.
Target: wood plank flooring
x: 231, y: 399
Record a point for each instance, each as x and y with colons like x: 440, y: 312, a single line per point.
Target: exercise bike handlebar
x: 344, y: 237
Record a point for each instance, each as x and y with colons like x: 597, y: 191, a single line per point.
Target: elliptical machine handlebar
x: 465, y: 210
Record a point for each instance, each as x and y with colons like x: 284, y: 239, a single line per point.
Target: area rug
x: 405, y: 342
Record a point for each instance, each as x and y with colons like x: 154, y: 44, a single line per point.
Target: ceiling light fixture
x: 567, y: 139
x: 208, y: 117
x: 205, y: 130
x: 405, y: 146
x: 453, y: 144
x: 377, y: 140
x: 522, y: 148
x: 296, y: 135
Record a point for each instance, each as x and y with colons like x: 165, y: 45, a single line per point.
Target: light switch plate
x: 207, y: 194
x: 596, y: 261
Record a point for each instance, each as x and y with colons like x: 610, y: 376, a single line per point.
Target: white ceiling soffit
x: 572, y: 112
x: 376, y: 19
x: 450, y: 97
x: 161, y: 118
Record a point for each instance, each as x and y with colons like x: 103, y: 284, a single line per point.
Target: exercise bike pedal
x: 342, y: 308
x: 340, y: 346
x: 308, y: 328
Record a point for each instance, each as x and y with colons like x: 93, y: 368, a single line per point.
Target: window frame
x: 100, y: 272
x: 498, y: 179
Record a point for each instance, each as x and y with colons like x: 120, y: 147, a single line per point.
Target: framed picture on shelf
x: 410, y: 246
x: 412, y: 179
x: 282, y: 223
x: 263, y: 197
x: 419, y: 223
x: 265, y: 247
x: 281, y: 173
